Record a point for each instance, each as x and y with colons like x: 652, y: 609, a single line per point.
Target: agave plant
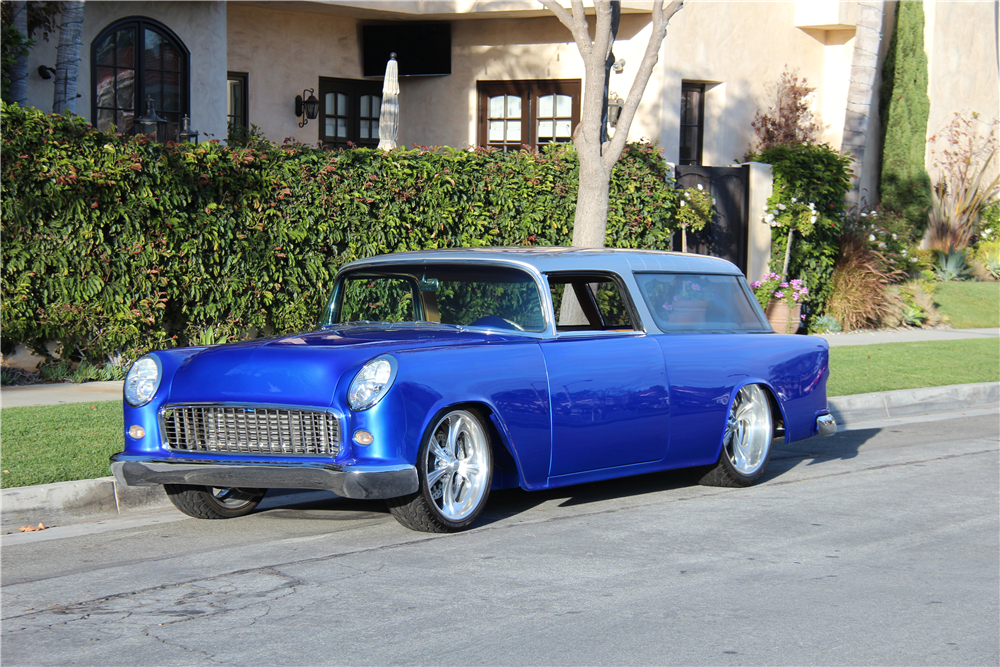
x: 952, y: 266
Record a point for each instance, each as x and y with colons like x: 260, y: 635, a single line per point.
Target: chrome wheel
x: 749, y: 430
x: 457, y: 466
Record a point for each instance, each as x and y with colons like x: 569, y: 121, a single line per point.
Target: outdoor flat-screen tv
x: 422, y: 49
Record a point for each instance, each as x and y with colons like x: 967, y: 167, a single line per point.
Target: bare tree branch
x: 575, y: 22
x: 597, y: 157
x: 661, y: 18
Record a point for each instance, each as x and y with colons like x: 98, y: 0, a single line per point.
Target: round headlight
x: 142, y: 381
x: 371, y: 383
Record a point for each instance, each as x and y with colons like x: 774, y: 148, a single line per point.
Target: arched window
x: 132, y: 60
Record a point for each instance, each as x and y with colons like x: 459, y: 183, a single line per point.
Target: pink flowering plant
x: 773, y: 286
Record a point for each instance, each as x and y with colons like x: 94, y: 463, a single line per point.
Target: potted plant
x: 781, y: 300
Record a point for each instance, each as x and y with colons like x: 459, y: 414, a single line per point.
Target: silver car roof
x: 550, y: 259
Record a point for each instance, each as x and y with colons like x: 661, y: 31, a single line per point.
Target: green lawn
x: 55, y: 443
x: 860, y: 369
x: 969, y: 305
x: 73, y: 441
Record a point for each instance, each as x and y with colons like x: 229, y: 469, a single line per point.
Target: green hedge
x: 116, y: 245
x: 819, y: 175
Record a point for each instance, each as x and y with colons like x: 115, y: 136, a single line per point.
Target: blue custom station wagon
x: 436, y: 376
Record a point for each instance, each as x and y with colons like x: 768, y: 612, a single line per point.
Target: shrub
x: 116, y: 245
x: 912, y: 305
x: 988, y: 256
x: 805, y: 175
x: 965, y: 189
x: 788, y: 120
x: 904, y: 185
x: 887, y: 233
x: 859, y: 296
x: 825, y: 324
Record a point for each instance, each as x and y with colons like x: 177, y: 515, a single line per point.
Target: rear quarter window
x: 706, y: 303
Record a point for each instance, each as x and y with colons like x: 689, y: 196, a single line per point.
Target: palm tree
x: 68, y: 57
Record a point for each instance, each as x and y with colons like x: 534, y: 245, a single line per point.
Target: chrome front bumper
x: 826, y: 425
x: 363, y: 482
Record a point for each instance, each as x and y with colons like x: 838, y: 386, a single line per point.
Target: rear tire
x: 455, y: 468
x: 205, y: 502
x: 746, y: 444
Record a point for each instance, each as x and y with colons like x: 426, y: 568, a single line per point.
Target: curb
x: 913, y: 402
x: 99, y: 499
x: 63, y: 503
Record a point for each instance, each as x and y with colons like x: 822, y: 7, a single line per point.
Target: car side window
x: 690, y: 302
x: 589, y: 303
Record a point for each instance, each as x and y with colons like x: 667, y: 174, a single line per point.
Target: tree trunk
x: 597, y: 156
x: 19, y: 70
x: 860, y: 93
x: 68, y: 57
x: 590, y: 223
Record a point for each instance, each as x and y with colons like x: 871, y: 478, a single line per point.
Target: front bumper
x: 363, y: 482
x: 826, y: 425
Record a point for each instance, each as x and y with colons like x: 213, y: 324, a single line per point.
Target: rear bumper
x: 826, y: 425
x: 361, y: 482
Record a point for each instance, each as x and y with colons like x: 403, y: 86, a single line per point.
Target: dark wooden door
x: 726, y: 236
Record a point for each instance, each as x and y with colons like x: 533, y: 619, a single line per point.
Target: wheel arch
x: 777, y: 410
x: 506, y: 467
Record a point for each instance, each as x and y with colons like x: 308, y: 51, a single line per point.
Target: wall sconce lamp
x: 186, y: 133
x: 46, y: 72
x: 150, y: 123
x: 615, y: 106
x: 308, y: 108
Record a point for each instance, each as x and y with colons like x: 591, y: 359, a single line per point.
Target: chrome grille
x: 250, y: 430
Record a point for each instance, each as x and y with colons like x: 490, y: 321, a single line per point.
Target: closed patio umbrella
x: 388, y: 118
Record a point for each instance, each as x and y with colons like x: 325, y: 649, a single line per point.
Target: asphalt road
x: 875, y: 546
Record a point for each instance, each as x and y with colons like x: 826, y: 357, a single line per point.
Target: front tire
x: 746, y: 444
x: 205, y: 502
x: 455, y: 467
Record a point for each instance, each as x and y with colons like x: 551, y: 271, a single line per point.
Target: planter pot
x: 782, y: 318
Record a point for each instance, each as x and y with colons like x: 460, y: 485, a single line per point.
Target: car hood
x: 302, y: 369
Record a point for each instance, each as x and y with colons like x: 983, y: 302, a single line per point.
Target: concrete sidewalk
x: 907, y: 336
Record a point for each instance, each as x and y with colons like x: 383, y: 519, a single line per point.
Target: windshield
x: 497, y: 297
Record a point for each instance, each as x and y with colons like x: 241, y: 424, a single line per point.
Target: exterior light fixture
x: 46, y: 72
x: 615, y: 106
x: 149, y: 122
x: 308, y: 108
x: 186, y: 133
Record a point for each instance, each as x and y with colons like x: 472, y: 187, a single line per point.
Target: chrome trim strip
x: 360, y: 482
x: 826, y: 425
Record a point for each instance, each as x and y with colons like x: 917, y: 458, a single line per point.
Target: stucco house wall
x: 434, y: 110
x: 961, y: 40
x: 200, y: 25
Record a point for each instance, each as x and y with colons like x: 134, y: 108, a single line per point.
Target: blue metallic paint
x: 621, y: 404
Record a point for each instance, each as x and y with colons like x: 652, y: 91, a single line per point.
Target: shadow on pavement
x: 306, y: 504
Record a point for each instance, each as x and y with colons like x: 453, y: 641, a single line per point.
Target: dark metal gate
x: 727, y: 236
